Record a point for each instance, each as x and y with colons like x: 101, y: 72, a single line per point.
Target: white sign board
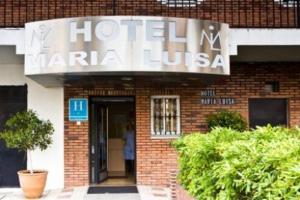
x: 126, y: 44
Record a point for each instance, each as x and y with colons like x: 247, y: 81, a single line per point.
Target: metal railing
x: 237, y: 13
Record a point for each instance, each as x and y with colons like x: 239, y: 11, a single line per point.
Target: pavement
x: 80, y: 193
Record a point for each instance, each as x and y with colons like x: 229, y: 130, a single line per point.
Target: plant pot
x: 33, y: 185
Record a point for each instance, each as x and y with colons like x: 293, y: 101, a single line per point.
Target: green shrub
x: 26, y: 132
x: 260, y: 164
x: 227, y: 119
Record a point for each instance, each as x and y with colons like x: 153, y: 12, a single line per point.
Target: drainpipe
x: 298, y: 13
x: 115, y: 7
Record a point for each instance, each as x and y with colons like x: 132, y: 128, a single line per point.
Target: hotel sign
x: 97, y: 45
x: 78, y: 109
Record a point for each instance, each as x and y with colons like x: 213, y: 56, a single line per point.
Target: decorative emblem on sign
x: 40, y: 37
x: 180, y: 3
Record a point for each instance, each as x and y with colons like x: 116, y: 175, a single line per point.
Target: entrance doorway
x: 112, y: 141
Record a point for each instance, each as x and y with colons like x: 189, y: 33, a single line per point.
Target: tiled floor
x: 154, y: 193
x: 128, y: 181
x: 113, y: 197
x: 79, y: 193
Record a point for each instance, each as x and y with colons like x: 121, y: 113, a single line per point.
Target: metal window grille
x: 237, y: 13
x: 287, y: 3
x: 165, y: 116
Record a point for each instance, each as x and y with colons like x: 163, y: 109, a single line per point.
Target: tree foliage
x: 25, y: 131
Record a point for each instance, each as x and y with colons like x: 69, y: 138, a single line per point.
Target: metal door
x: 12, y: 100
x: 267, y: 111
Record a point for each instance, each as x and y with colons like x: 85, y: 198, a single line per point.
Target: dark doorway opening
x: 112, y: 141
x: 12, y: 100
x: 268, y: 111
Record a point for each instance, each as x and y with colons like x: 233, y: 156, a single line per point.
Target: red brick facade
x: 156, y: 160
x: 237, y: 13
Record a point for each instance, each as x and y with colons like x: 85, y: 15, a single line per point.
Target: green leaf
x: 25, y: 131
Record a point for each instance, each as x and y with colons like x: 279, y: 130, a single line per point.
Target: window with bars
x: 288, y: 3
x: 165, y: 116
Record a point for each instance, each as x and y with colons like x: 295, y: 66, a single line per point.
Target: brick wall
x: 156, y: 160
x: 238, y: 13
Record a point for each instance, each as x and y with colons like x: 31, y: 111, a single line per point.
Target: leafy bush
x: 260, y: 164
x: 25, y: 131
x: 227, y: 119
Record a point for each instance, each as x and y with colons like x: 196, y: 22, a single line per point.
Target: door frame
x: 105, y: 100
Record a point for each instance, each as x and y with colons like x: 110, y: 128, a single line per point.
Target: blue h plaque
x: 78, y: 109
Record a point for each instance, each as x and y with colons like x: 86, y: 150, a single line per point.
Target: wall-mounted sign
x: 208, y: 93
x: 78, y: 109
x: 126, y: 44
x: 219, y: 101
x: 208, y: 97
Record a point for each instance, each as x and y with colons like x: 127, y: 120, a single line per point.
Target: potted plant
x: 26, y: 132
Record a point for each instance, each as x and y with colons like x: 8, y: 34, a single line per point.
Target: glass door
x: 102, y: 130
x: 99, y: 143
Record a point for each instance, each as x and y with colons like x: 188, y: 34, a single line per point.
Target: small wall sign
x: 208, y: 93
x: 209, y: 97
x: 217, y: 101
x: 78, y: 109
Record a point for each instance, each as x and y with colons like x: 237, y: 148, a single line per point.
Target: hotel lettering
x: 129, y: 44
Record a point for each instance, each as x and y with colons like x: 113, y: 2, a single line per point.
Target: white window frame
x: 178, y: 117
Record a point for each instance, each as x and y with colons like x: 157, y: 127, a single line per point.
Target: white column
x: 49, y: 104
